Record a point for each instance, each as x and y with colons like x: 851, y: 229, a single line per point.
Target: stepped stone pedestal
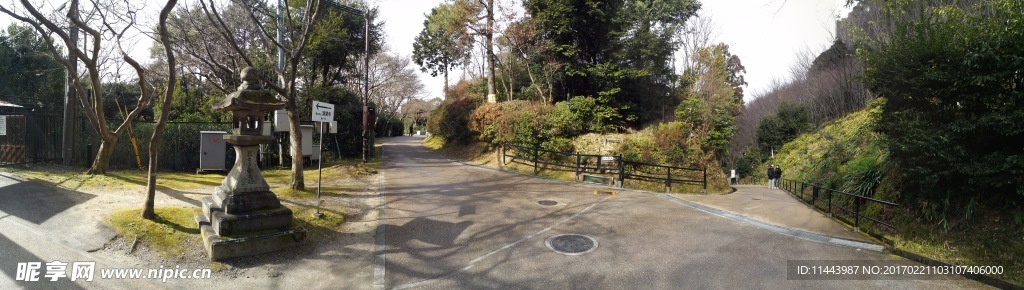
x: 243, y: 217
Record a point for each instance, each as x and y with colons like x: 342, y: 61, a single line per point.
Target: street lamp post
x: 366, y: 69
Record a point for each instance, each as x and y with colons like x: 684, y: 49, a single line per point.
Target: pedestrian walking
x: 771, y: 176
x: 778, y: 176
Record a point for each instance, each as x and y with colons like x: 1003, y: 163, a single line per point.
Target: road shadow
x: 14, y: 254
x: 36, y: 202
x: 173, y: 193
x: 435, y: 232
x: 437, y: 226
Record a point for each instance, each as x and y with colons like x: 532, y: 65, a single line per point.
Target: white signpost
x: 323, y: 113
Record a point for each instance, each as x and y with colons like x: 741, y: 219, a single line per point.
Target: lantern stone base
x: 243, y: 217
x: 227, y: 236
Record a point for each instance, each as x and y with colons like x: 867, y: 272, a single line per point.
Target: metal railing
x: 613, y: 165
x: 860, y: 211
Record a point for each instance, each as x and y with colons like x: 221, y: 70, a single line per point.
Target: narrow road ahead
x: 449, y: 225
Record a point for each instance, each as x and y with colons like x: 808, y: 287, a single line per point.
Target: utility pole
x: 366, y: 72
x: 366, y: 83
x: 70, y: 97
x: 280, y: 64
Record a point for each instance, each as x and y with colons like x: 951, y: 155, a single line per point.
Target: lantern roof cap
x: 249, y: 96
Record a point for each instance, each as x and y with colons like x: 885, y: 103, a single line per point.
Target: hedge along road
x: 448, y: 225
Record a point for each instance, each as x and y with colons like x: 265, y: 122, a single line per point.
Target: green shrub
x: 520, y: 122
x: 451, y: 120
x: 641, y: 147
x: 954, y: 118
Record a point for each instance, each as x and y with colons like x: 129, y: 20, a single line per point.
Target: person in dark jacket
x: 778, y: 176
x: 771, y: 176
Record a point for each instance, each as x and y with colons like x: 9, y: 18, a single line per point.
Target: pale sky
x: 767, y: 35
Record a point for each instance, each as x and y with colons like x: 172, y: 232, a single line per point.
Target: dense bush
x: 955, y: 112
x: 785, y: 125
x: 641, y: 147
x: 521, y: 122
x: 527, y: 122
x: 451, y: 120
x: 388, y: 127
x: 575, y: 117
x: 666, y: 143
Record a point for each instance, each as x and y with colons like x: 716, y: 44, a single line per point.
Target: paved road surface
x: 34, y: 224
x: 450, y: 225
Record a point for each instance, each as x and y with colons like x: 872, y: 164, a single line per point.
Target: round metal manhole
x: 571, y: 244
x: 547, y: 202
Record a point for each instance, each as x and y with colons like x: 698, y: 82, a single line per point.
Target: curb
x: 801, y: 234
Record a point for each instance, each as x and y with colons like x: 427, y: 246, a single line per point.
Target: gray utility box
x: 307, y: 141
x: 212, y: 151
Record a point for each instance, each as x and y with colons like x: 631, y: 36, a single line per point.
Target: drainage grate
x: 547, y: 202
x: 571, y: 244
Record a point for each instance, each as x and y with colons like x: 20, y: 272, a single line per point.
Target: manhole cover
x: 547, y: 202
x: 571, y: 244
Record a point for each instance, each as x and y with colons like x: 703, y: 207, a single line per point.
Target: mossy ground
x: 117, y: 180
x: 170, y: 234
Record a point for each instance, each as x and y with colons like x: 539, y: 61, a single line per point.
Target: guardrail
x: 857, y: 210
x: 602, y: 164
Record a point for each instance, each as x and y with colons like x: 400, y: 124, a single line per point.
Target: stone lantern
x: 243, y: 217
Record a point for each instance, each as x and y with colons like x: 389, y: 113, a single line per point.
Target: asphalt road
x: 43, y: 224
x: 449, y: 225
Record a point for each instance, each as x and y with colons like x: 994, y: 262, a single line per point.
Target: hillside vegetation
x: 849, y: 155
x: 846, y: 154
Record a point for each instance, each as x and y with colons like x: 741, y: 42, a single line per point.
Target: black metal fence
x: 179, y: 149
x: 613, y: 165
x: 866, y: 214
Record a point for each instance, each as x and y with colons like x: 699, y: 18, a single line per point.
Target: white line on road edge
x: 804, y: 235
x: 481, y: 258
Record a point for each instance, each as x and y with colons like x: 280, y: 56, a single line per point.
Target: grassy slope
x: 848, y: 146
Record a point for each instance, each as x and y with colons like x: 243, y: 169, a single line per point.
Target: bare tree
x: 172, y: 78
x: 698, y: 33
x: 105, y: 24
x: 393, y: 81
x: 204, y: 55
x: 299, y: 23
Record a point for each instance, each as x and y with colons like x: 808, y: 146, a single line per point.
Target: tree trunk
x: 298, y: 178
x: 148, y: 210
x: 446, y: 84
x: 491, y: 96
x: 99, y: 165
